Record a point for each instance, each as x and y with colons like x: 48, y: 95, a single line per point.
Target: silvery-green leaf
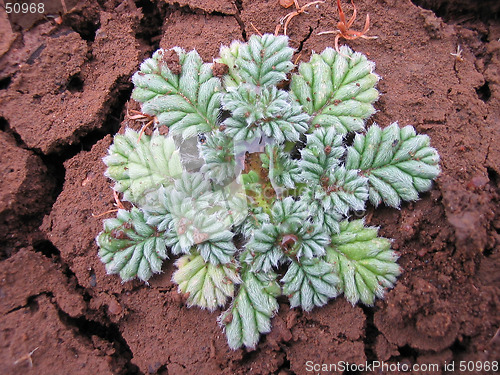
x: 139, y: 166
x: 322, y: 153
x: 201, y: 215
x: 289, y: 212
x: 219, y: 248
x: 364, y: 262
x: 399, y: 163
x: 252, y: 309
x: 341, y: 190
x: 336, y: 89
x: 219, y: 154
x: 228, y: 56
x: 263, y: 60
x: 310, y: 283
x: 189, y: 102
x: 263, y: 111
x: 263, y: 246
x: 284, y: 172
x: 208, y: 286
x: 130, y: 247
x: 289, y: 235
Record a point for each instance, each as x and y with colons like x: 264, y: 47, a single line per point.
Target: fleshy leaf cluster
x: 261, y: 208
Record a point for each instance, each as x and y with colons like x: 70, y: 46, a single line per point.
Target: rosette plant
x: 253, y: 185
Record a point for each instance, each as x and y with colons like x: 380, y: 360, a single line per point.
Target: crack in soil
x: 54, y: 162
x: 242, y: 27
x: 150, y: 29
x: 5, y: 127
x: 301, y: 44
x: 85, y: 21
x: 371, y: 332
x: 50, y: 251
x: 31, y: 218
x: 111, y: 333
x: 285, y: 367
x: 197, y: 10
x: 86, y: 329
x: 5, y: 83
x: 237, y: 16
x: 83, y: 326
x: 458, y: 10
x: 113, y: 116
x: 30, y: 303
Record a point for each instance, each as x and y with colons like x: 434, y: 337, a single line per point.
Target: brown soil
x: 63, y: 93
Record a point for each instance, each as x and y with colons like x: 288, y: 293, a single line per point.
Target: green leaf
x: 155, y: 211
x: 342, y: 190
x: 251, y: 311
x: 365, y: 263
x: 289, y: 213
x: 208, y: 286
x: 141, y: 166
x: 312, y: 242
x: 255, y: 219
x: 219, y: 154
x: 250, y: 180
x: 337, y: 90
x: 259, y: 111
x: 264, y: 248
x: 188, y: 103
x: 201, y: 217
x: 310, y: 283
x: 284, y: 172
x: 219, y: 248
x: 228, y: 56
x: 323, y: 151
x: 398, y: 163
x: 130, y: 247
x: 329, y: 221
x: 262, y: 61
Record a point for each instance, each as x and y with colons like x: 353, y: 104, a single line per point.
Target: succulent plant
x: 263, y: 210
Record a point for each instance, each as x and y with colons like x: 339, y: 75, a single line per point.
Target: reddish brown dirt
x: 63, y: 94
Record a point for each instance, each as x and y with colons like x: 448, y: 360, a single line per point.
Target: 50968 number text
x: 24, y: 8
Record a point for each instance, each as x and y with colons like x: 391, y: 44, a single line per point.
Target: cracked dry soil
x: 64, y: 90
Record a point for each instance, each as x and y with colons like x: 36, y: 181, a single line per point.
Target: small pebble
x: 114, y: 307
